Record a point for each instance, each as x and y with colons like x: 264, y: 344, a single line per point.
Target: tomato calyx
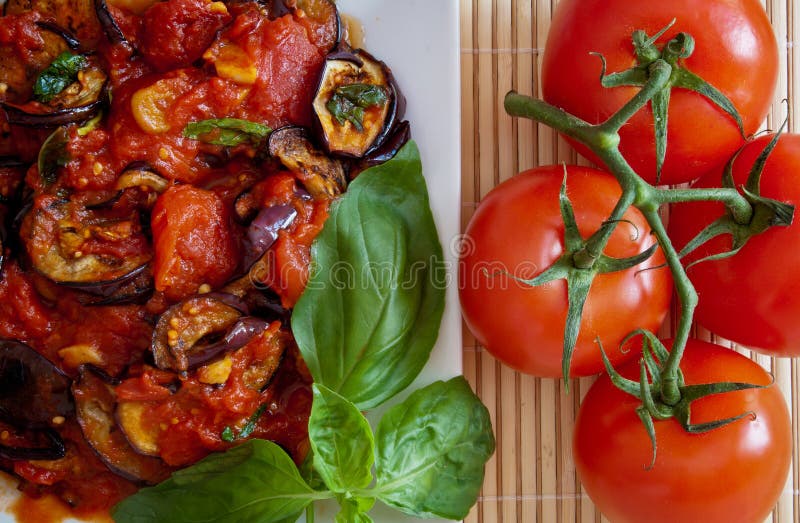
x: 580, y: 263
x: 653, y: 385
x: 765, y: 212
x: 673, y: 52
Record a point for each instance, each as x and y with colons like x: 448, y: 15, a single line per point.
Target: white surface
x: 419, y: 40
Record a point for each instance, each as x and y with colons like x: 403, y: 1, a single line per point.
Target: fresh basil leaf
x: 58, y: 75
x: 349, y: 101
x: 53, y: 155
x: 354, y: 511
x: 341, y: 440
x: 371, y: 311
x: 432, y: 449
x: 227, y: 131
x: 255, y: 482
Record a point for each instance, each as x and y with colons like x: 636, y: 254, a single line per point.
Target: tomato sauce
x: 168, y: 64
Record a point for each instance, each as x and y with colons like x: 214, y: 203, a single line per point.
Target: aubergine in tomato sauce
x: 357, y: 104
x: 77, y: 102
x: 186, y: 369
x: 34, y: 398
x: 74, y: 246
x: 95, y: 403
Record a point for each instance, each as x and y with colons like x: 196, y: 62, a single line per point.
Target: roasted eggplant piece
x: 263, y: 231
x: 134, y: 287
x: 239, y: 335
x: 108, y: 23
x: 187, y: 331
x: 261, y: 302
x: 18, y: 73
x: 70, y: 39
x: 95, y: 404
x: 357, y: 104
x: 39, y: 445
x: 259, y: 373
x: 131, y: 417
x: 33, y: 392
x: 141, y: 174
x: 77, y: 102
x: 394, y: 142
x: 74, y: 246
x: 34, y: 397
x: 321, y: 175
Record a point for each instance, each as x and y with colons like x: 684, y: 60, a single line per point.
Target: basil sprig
x: 429, y: 454
x: 58, y: 75
x: 229, y: 132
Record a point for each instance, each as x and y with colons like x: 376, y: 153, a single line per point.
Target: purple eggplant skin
x: 54, y: 450
x: 399, y: 137
x: 324, y: 126
x: 135, y: 287
x: 33, y: 391
x: 186, y: 327
x: 235, y: 338
x: 263, y: 231
x: 95, y: 405
x: 18, y: 116
x: 70, y: 39
x: 109, y: 25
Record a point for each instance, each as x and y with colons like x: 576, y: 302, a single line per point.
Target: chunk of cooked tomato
x: 193, y: 241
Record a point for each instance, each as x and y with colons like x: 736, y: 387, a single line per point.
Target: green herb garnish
x: 229, y: 132
x: 59, y: 74
x: 229, y: 436
x: 349, y: 102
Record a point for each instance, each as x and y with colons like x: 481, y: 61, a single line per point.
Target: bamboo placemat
x: 532, y: 477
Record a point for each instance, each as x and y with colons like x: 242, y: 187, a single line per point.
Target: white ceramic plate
x: 419, y: 40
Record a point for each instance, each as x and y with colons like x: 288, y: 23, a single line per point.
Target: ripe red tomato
x: 752, y: 298
x: 193, y: 241
x: 735, y: 51
x: 734, y: 473
x: 518, y: 229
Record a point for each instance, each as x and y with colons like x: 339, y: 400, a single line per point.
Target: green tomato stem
x: 738, y: 205
x: 660, y: 72
x: 687, y: 296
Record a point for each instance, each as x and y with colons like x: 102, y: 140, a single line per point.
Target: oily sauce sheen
x: 106, y: 259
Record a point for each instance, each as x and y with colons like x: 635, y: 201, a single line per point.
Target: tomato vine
x: 663, y: 394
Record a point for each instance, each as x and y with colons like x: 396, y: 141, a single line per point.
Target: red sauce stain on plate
x: 50, y: 509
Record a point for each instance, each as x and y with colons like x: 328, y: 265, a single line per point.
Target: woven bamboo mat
x: 532, y: 477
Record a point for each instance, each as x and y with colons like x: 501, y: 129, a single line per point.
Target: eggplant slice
x: 56, y: 234
x: 131, y: 417
x: 357, y: 104
x: 322, y: 176
x: 40, y: 445
x: 34, y: 397
x: 78, y: 102
x: 95, y: 404
x: 109, y: 24
x: 192, y: 332
x: 33, y: 392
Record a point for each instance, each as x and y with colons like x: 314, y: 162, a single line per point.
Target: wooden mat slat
x: 532, y: 478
